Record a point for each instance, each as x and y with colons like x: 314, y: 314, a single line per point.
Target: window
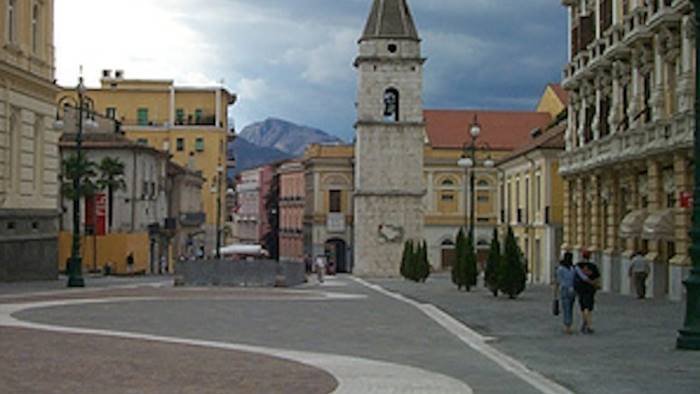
x: 111, y: 112
x: 180, y: 144
x: 142, y: 141
x: 391, y: 105
x: 538, y: 190
x: 483, y: 198
x: 179, y: 116
x: 334, y: 197
x: 447, y: 196
x: 142, y: 116
x: 199, y: 144
x: 35, y: 28
x: 11, y: 21
x: 648, y: 110
x: 198, y: 116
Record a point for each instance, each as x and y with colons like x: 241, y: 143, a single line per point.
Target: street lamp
x: 216, y: 188
x: 689, y: 337
x: 84, y: 106
x: 468, y: 162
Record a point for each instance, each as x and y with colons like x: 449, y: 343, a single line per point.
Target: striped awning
x: 632, y: 225
x: 660, y: 226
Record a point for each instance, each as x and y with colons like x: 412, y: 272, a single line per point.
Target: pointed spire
x: 390, y: 19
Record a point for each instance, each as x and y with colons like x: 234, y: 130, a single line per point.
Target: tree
x: 470, y: 271
x: 512, y: 276
x: 459, y: 276
x: 272, y: 207
x: 407, y: 251
x: 425, y: 263
x: 112, y: 179
x: 81, y: 167
x: 493, y: 264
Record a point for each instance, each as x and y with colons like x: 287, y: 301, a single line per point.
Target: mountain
x: 249, y: 155
x: 286, y: 136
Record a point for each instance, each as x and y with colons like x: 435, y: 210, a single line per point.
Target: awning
x: 255, y: 250
x: 660, y: 226
x: 632, y: 224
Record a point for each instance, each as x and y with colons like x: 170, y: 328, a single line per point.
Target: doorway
x: 336, y: 250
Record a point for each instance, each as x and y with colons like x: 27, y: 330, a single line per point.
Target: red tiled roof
x: 561, y: 93
x: 501, y: 130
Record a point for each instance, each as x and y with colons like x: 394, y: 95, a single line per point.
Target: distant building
x: 190, y: 123
x: 185, y: 211
x: 29, y: 159
x: 291, y: 203
x: 249, y: 202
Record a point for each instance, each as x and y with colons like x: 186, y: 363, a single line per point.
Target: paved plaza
x: 345, y: 336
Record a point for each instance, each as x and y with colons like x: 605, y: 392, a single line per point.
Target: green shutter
x: 142, y: 116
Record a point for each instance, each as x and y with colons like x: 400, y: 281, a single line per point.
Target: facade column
x: 633, y: 203
x: 595, y: 222
x: 597, y: 96
x: 679, y: 267
x: 580, y: 215
x: 611, y: 256
x: 635, y: 91
x: 658, y: 279
x: 657, y: 94
x: 583, y: 103
x: 567, y: 215
x: 686, y: 81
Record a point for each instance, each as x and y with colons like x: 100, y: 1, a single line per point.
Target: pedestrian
x: 638, y: 272
x: 320, y: 267
x: 586, y: 284
x: 567, y: 295
x: 130, y: 263
x: 200, y: 253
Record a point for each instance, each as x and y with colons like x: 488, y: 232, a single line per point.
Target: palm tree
x: 112, y: 179
x: 78, y: 167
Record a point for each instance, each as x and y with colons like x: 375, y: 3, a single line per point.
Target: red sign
x: 96, y: 214
x: 686, y: 199
x: 100, y: 214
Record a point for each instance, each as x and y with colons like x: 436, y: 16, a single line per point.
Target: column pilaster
x: 595, y: 222
x: 683, y: 178
x: 580, y: 214
x: 654, y: 202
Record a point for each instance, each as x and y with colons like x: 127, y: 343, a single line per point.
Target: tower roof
x: 390, y: 19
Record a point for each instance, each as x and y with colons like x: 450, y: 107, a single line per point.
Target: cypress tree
x: 470, y: 271
x: 426, y: 263
x: 404, y: 259
x: 458, y: 277
x: 493, y: 265
x: 512, y: 276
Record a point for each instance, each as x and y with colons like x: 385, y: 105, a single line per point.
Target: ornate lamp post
x: 468, y: 162
x: 689, y: 337
x: 84, y: 107
x: 216, y: 189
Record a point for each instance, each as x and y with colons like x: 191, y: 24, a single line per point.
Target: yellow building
x: 628, y: 162
x: 29, y: 162
x: 531, y: 196
x: 189, y: 123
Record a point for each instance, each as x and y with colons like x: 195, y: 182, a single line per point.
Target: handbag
x: 555, y: 307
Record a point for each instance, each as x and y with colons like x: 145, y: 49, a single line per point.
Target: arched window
x: 391, y: 105
x: 448, y: 182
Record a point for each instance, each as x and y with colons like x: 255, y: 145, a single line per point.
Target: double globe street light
x: 468, y: 162
x: 84, y: 107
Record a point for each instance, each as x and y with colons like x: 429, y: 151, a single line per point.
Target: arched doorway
x: 336, y: 249
x: 448, y: 254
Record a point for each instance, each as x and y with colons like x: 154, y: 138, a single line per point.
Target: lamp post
x: 84, y: 105
x: 216, y: 188
x: 468, y: 162
x: 689, y: 337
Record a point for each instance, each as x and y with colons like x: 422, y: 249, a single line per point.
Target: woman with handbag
x: 565, y: 280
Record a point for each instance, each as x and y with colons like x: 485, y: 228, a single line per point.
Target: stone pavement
x: 632, y: 350
x: 368, y: 341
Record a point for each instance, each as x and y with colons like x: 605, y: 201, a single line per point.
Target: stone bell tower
x: 390, y: 139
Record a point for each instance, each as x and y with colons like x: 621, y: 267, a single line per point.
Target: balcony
x: 649, y: 139
x: 204, y: 121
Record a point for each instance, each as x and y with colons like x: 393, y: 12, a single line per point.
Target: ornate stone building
x: 628, y: 161
x: 291, y: 207
x: 29, y: 162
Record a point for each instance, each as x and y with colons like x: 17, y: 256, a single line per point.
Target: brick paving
x: 45, y: 362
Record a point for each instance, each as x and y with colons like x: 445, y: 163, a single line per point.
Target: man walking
x: 320, y: 267
x: 586, y: 283
x: 638, y: 272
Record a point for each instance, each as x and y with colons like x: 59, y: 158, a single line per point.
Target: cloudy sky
x: 292, y: 59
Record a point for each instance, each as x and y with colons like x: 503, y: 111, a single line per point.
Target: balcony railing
x: 164, y: 123
x: 647, y: 139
